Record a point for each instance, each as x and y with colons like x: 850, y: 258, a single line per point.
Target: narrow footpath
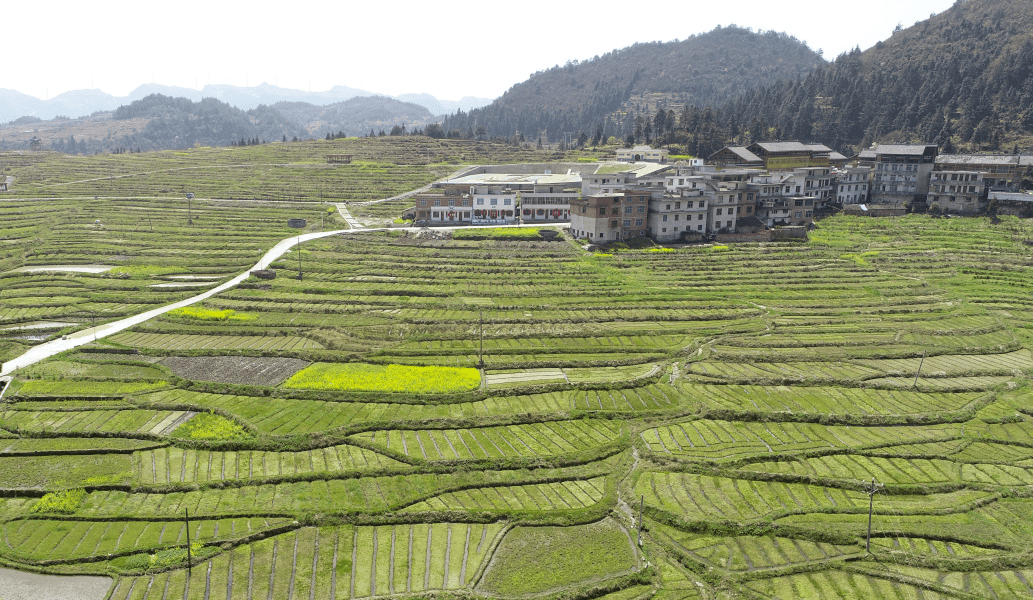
x: 90, y: 334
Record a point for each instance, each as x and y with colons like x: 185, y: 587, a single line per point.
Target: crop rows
x: 286, y: 416
x: 514, y: 441
x: 826, y: 400
x: 181, y: 341
x: 652, y: 397
x: 43, y: 539
x: 700, y: 497
x: 839, y: 584
x: 751, y: 553
x: 563, y: 495
x: 795, y: 371
x: 84, y: 389
x: 728, y: 440
x: 984, y: 364
x: 175, y: 465
x: 124, y: 421
x: 332, y: 562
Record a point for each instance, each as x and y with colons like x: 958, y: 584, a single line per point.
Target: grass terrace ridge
x: 335, y: 437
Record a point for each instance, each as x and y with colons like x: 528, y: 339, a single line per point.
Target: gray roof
x: 744, y: 154
x: 977, y: 159
x: 904, y: 149
x: 786, y: 147
x: 516, y: 178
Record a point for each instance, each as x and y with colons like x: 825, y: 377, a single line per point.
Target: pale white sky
x: 448, y: 49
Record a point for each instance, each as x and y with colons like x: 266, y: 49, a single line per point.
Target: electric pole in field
x: 186, y: 512
x: 871, y: 490
x: 480, y: 352
x: 922, y: 362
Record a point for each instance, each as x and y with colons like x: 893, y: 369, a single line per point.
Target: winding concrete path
x: 90, y: 334
x: 85, y: 336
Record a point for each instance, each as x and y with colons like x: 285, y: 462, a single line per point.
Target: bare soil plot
x: 18, y: 585
x: 235, y: 369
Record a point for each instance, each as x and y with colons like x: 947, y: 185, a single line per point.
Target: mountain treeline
x: 182, y: 123
x: 709, y: 68
x: 356, y: 116
x: 963, y: 77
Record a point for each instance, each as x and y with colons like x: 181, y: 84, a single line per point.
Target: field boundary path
x: 460, y: 173
x: 342, y: 209
x: 90, y: 334
x: 85, y: 336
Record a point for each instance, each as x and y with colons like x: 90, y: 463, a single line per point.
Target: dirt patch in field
x: 18, y: 585
x: 235, y: 369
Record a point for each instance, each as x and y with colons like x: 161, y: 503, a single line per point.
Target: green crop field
x: 335, y: 436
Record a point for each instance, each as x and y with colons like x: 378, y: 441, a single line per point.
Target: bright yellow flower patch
x: 385, y: 378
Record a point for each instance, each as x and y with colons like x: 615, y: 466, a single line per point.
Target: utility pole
x: 922, y: 362
x: 641, y: 506
x: 480, y: 353
x: 186, y: 511
x: 871, y: 490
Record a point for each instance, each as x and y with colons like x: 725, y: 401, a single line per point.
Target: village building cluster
x: 737, y: 190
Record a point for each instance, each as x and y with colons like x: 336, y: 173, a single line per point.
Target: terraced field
x: 737, y: 399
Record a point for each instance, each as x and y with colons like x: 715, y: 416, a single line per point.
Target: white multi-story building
x: 672, y: 216
x: 509, y: 197
x: 852, y: 185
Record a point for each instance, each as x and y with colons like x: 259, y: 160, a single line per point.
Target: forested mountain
x: 356, y: 116
x: 181, y: 123
x: 964, y: 76
x: 160, y: 122
x: 710, y: 68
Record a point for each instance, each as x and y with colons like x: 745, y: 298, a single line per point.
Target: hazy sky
x: 448, y: 49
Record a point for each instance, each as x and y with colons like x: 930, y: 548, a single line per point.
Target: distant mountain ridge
x: 160, y: 122
x: 710, y: 68
x: 79, y: 103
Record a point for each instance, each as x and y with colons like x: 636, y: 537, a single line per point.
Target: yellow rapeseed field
x: 385, y: 378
